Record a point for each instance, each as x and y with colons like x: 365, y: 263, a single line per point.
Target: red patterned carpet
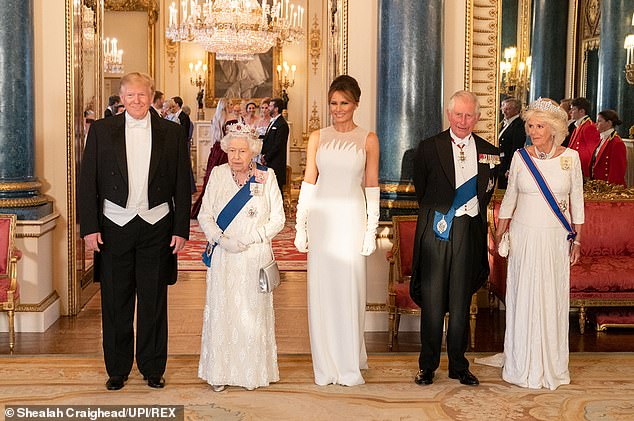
x: 288, y: 258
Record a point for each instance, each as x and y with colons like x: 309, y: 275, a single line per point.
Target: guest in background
x: 585, y: 138
x: 540, y: 256
x: 157, y: 103
x: 119, y: 109
x: 511, y: 138
x: 337, y: 218
x: 182, y: 117
x: 169, y: 111
x: 454, y: 180
x: 238, y: 338
x: 187, y: 110
x: 216, y: 155
x: 565, y: 104
x: 265, y: 118
x: 609, y: 160
x: 250, y: 118
x: 236, y: 113
x: 113, y: 101
x: 275, y: 141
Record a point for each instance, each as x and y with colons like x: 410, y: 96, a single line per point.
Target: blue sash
x: 229, y: 212
x: 443, y: 222
x: 548, y: 195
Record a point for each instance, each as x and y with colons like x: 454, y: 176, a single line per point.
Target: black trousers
x: 447, y: 270
x: 133, y: 266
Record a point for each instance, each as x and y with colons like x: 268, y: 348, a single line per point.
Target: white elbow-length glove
x: 306, y: 195
x: 372, y: 197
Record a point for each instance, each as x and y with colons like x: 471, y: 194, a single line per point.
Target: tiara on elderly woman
x: 546, y: 105
x: 241, y: 129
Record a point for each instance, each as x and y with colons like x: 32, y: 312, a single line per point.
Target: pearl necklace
x: 544, y: 155
x: 249, y: 173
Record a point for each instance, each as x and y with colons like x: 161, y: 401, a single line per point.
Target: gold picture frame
x: 229, y: 82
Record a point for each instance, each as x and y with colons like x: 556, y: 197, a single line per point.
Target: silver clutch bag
x: 269, y: 278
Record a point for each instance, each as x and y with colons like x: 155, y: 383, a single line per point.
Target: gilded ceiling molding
x: 315, y: 44
x: 482, y: 46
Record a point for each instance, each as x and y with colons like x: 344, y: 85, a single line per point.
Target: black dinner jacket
x: 185, y: 123
x: 104, y: 172
x: 274, y: 148
x: 435, y: 182
x: 512, y: 139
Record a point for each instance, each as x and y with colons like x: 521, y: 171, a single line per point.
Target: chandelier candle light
x: 629, y: 64
x: 112, y: 57
x: 515, y: 75
x: 283, y: 76
x: 197, y: 75
x: 235, y: 29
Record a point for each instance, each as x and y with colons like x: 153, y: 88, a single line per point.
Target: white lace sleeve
x: 576, y: 191
x: 206, y: 218
x: 276, y: 209
x: 507, y: 208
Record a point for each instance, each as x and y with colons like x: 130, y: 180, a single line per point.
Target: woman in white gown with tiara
x: 540, y: 255
x: 337, y: 218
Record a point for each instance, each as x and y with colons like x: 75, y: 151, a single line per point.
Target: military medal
x: 441, y: 226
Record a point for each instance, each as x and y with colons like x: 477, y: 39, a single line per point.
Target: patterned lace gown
x: 336, y: 268
x: 538, y: 280
x: 238, y: 338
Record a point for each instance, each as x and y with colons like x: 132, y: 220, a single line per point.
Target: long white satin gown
x: 336, y: 268
x: 538, y: 279
x: 238, y: 338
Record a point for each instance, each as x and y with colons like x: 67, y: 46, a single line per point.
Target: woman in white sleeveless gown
x: 337, y: 218
x: 538, y: 280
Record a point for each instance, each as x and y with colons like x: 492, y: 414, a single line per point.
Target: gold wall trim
x: 482, y: 61
x: 24, y: 202
x: 571, y: 56
x: 70, y: 161
x: 39, y: 307
x: 27, y: 185
x: 399, y: 204
x: 34, y: 234
x: 397, y: 188
x: 315, y: 44
x: 377, y: 307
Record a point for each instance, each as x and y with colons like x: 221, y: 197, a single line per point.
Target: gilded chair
x: 9, y: 255
x: 400, y: 260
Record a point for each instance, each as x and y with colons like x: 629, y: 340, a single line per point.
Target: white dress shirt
x: 138, y: 145
x: 465, y: 170
x: 506, y: 123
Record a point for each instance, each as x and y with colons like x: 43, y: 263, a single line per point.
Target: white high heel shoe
x: 219, y: 388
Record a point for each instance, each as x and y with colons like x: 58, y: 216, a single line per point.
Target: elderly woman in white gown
x: 541, y: 251
x: 238, y: 339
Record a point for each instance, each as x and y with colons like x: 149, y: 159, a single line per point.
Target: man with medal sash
x: 454, y: 175
x: 585, y: 138
x: 134, y: 200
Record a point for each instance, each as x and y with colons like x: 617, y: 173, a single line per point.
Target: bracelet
x: 577, y: 243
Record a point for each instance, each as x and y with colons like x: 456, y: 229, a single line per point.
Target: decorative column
x: 409, y: 102
x: 19, y: 188
x: 548, y: 49
x: 614, y: 92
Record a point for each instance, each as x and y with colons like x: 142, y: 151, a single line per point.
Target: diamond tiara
x: 547, y: 105
x: 241, y: 129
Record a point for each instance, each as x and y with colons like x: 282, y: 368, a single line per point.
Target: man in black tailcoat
x: 454, y: 175
x: 134, y: 199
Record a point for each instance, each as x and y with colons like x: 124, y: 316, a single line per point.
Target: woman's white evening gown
x: 336, y: 268
x: 538, y: 279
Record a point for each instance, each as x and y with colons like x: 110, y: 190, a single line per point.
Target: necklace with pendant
x: 235, y: 176
x: 544, y: 155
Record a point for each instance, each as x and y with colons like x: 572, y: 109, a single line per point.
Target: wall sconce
x: 629, y: 64
x: 515, y: 75
x: 112, y: 57
x: 197, y: 77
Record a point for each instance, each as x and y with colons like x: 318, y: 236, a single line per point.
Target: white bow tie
x: 132, y: 123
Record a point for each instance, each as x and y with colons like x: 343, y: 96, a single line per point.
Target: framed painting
x: 251, y: 79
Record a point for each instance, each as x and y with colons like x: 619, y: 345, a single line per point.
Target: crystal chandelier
x: 236, y: 29
x: 112, y: 57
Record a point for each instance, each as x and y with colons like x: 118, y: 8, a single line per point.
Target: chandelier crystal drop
x: 236, y: 29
